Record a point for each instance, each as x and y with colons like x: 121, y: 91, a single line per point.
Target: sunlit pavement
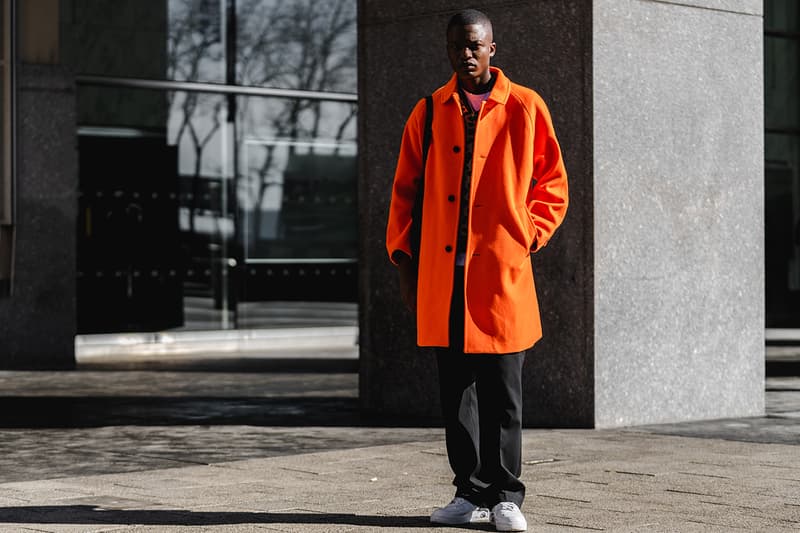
x: 287, y: 450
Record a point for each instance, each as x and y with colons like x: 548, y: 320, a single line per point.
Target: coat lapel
x: 490, y: 123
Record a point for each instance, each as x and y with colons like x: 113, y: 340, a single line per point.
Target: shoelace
x: 508, y: 506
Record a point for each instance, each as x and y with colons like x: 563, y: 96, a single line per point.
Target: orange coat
x: 518, y: 199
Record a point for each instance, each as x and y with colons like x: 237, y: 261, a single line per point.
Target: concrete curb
x: 301, y: 342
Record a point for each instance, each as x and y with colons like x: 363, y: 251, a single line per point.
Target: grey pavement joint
x: 577, y: 480
x: 290, y: 452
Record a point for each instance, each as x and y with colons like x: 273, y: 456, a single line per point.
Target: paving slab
x: 577, y: 480
x: 289, y: 451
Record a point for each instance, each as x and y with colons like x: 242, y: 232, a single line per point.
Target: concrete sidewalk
x: 289, y: 450
x: 577, y: 480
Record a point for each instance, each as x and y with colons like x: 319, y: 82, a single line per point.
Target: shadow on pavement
x: 60, y: 412
x: 87, y: 514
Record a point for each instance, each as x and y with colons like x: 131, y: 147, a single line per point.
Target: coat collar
x: 499, y: 94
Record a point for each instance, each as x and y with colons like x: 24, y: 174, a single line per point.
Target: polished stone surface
x: 37, y: 322
x: 678, y: 211
x: 652, y: 292
x: 547, y: 46
x: 749, y: 7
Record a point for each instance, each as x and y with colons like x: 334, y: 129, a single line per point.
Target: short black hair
x: 468, y: 17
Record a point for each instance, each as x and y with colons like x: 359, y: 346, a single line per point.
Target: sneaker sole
x: 508, y: 527
x: 475, y: 517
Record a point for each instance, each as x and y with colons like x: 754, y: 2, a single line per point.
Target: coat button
x: 451, y: 198
x: 448, y: 248
x: 456, y: 149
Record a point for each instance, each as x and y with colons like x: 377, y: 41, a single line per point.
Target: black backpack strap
x: 428, y: 132
x: 416, y: 211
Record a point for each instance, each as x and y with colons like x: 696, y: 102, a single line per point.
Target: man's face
x: 470, y: 49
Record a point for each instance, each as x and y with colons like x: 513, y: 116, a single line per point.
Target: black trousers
x: 481, y: 397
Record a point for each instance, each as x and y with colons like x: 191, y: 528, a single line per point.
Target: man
x: 495, y: 190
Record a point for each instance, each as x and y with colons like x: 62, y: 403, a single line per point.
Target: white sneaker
x: 507, y: 517
x: 460, y: 511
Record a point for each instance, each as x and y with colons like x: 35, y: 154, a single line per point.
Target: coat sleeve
x: 548, y: 194
x: 406, y: 180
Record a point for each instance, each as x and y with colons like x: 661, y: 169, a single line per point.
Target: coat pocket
x: 527, y: 224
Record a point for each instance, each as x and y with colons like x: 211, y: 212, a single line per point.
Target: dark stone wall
x: 547, y: 46
x: 37, y: 322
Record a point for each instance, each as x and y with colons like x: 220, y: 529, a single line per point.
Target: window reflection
x: 782, y: 81
x: 197, y: 126
x: 196, y: 206
x: 5, y: 127
x: 299, y: 190
x: 199, y: 129
x: 116, y: 38
x: 782, y: 168
x: 195, y: 47
x: 782, y: 15
x: 782, y: 229
x: 300, y: 44
x: 166, y: 212
x: 6, y: 230
x: 300, y: 200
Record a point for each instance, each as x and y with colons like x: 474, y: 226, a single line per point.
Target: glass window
x: 782, y: 169
x: 5, y: 113
x: 152, y: 39
x: 303, y: 44
x: 5, y: 148
x: 300, y: 44
x: 298, y: 190
x: 195, y: 40
x: 198, y: 209
x: 782, y: 15
x: 156, y: 212
x: 782, y: 230
x: 782, y: 83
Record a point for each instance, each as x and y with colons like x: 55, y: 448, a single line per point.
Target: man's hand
x: 408, y: 282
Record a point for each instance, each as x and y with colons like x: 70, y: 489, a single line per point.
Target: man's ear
x: 493, y: 46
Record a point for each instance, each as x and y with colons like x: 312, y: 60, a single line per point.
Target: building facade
x: 216, y: 157
x: 172, y: 164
